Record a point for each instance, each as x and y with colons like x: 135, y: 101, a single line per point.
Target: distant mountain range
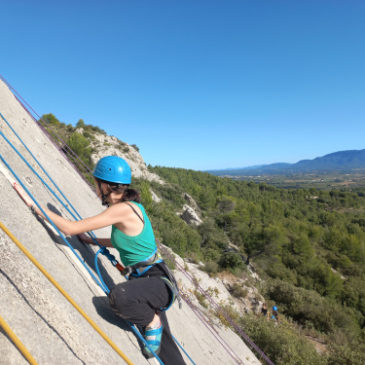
x: 341, y: 162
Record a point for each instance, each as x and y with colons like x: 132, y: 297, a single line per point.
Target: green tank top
x: 134, y: 249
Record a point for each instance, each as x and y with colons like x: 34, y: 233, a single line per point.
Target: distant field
x: 330, y: 181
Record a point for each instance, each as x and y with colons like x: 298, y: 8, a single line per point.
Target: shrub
x: 80, y: 124
x: 79, y: 145
x: 50, y: 119
x: 238, y: 291
x: 87, y: 135
x: 280, y: 343
x: 230, y: 260
x: 347, y: 354
x: 201, y: 299
x: 309, y: 309
x: 211, y: 268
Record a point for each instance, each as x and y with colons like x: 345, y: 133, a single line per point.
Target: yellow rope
x: 76, y: 306
x: 17, y: 342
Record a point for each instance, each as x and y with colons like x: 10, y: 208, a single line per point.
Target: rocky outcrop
x: 190, y: 201
x: 190, y: 212
x: 190, y: 216
x: 155, y: 197
x: 104, y: 145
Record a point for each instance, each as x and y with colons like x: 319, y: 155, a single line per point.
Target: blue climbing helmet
x: 113, y: 169
x: 275, y: 308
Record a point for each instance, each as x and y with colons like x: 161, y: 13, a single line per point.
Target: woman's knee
x: 119, y: 298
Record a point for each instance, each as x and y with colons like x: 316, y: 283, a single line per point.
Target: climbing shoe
x: 153, y: 338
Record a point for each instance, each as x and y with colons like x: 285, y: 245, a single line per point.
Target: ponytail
x: 128, y: 194
x: 131, y: 195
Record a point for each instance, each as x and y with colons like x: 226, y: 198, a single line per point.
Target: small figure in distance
x: 264, y: 310
x: 275, y: 314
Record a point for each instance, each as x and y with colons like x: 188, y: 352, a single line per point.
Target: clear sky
x: 198, y: 84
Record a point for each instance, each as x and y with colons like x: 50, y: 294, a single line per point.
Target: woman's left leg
x: 138, y: 300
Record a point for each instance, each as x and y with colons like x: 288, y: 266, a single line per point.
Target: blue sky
x: 200, y: 84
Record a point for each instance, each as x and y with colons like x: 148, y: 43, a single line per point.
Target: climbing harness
x: 169, y: 278
x: 174, y: 290
x: 155, y: 259
x: 141, y: 268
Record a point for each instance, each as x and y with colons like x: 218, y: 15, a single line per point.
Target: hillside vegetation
x: 307, y: 245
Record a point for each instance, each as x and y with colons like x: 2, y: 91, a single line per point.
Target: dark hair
x: 131, y: 195
x: 128, y: 194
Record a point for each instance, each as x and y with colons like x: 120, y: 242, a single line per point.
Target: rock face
x: 190, y: 216
x: 190, y: 211
x: 190, y: 201
x: 49, y: 327
x: 155, y: 197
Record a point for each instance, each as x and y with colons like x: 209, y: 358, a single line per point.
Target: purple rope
x: 212, y: 330
x: 11, y: 87
x: 247, y: 339
x: 69, y: 149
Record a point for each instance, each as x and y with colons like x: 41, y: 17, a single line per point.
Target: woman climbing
x: 151, y: 287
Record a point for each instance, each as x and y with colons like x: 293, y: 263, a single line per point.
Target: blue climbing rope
x: 97, y: 269
x: 38, y: 163
x: 177, y: 342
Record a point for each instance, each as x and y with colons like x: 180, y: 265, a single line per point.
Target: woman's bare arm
x: 112, y: 215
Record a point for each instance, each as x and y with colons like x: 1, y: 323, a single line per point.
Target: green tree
x: 79, y: 145
x: 50, y: 119
x: 80, y: 124
x: 146, y: 195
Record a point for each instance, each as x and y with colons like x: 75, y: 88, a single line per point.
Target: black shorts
x: 138, y: 300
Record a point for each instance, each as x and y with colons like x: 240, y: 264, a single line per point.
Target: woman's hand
x: 21, y: 192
